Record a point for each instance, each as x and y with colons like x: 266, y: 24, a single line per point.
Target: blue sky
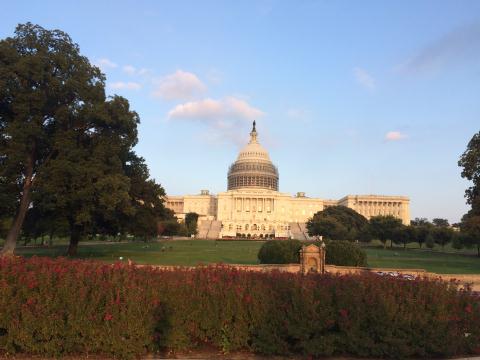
x: 350, y: 97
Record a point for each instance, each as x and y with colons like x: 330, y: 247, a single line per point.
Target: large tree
x: 46, y: 87
x: 191, y: 220
x: 328, y: 227
x: 146, y: 199
x: 470, y: 162
x: 85, y: 182
x: 442, y: 235
x: 337, y: 222
x: 421, y: 233
x: 470, y: 231
x: 384, y: 228
x: 404, y: 234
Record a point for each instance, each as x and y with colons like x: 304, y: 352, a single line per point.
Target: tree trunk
x: 14, y: 232
x: 74, y: 239
x: 478, y: 250
x: 404, y: 245
x: 385, y: 244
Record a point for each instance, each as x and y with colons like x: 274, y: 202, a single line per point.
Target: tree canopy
x: 470, y: 228
x: 46, y: 87
x: 470, y: 162
x: 66, y: 150
x: 470, y: 224
x: 385, y: 228
x: 191, y: 220
x: 338, y: 223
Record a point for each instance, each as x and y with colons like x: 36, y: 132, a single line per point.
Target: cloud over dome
x: 211, y: 110
x: 181, y: 85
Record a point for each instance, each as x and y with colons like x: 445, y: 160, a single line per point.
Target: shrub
x: 287, y: 252
x: 345, y: 253
x: 60, y: 307
x: 280, y: 252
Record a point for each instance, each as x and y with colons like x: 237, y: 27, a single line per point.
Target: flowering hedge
x: 58, y: 307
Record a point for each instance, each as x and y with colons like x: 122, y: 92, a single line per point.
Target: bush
x: 345, y: 253
x: 60, y: 307
x: 342, y: 253
x: 280, y: 252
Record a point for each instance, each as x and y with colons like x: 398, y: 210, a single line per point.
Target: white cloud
x: 228, y: 119
x: 105, y: 63
x: 394, y: 136
x: 132, y: 70
x: 216, y: 111
x: 120, y: 85
x: 181, y: 85
x: 364, y: 78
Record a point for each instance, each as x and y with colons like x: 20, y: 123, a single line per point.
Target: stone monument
x: 312, y: 259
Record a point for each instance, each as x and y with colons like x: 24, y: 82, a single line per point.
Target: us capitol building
x: 253, y: 207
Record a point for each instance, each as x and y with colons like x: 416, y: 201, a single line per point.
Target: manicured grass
x: 433, y: 261
x: 182, y: 252
x: 193, y: 252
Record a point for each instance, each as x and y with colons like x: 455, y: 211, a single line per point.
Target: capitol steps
x: 209, y: 229
x: 203, y: 228
x: 215, y: 229
x: 299, y: 231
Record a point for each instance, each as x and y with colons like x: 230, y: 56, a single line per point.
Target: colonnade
x: 254, y: 204
x: 373, y: 208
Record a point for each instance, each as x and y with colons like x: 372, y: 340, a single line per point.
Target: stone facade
x: 253, y: 207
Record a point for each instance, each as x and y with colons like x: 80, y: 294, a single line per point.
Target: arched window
x: 246, y: 226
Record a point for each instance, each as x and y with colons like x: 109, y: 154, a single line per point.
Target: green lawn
x: 182, y: 252
x: 193, y: 252
x: 433, y: 261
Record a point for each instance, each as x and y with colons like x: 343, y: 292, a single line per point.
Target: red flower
x: 108, y: 317
x: 343, y: 313
x: 30, y: 301
x: 468, y: 309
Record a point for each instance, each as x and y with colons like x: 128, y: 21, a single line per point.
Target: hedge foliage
x: 280, y: 252
x: 58, y: 307
x: 343, y: 253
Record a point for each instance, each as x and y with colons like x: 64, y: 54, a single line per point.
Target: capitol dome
x: 253, y: 167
